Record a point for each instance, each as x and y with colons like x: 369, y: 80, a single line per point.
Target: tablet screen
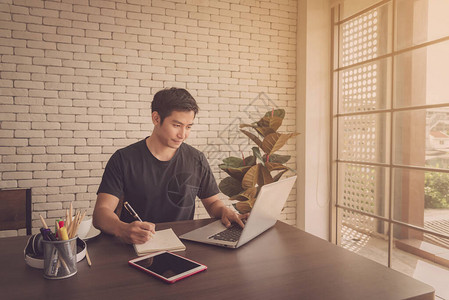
x: 167, y: 265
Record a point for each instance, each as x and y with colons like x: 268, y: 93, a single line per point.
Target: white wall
x: 313, y: 116
x: 77, y: 79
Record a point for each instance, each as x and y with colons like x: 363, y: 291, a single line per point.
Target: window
x: 390, y: 130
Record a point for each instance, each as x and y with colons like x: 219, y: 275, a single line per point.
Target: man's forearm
x: 107, y: 221
x: 215, y: 210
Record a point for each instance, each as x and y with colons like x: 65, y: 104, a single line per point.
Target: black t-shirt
x: 159, y: 191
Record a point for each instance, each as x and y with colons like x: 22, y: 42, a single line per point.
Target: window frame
x: 336, y: 206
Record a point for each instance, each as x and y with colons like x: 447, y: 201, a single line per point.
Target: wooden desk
x: 283, y: 263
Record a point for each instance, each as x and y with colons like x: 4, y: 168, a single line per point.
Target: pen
x: 132, y: 211
x: 48, y: 235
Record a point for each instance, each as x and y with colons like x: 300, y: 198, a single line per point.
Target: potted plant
x: 248, y: 174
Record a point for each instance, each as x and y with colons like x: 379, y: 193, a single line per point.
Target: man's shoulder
x: 129, y: 152
x: 137, y: 146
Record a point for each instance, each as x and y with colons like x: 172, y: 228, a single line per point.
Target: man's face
x: 175, y: 129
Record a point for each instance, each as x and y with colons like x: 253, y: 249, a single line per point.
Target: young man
x: 159, y: 176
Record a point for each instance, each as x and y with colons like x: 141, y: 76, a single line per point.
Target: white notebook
x: 162, y: 240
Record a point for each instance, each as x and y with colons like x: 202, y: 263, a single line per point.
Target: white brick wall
x: 77, y: 79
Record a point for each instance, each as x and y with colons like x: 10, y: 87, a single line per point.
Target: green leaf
x: 230, y: 186
x: 250, y: 160
x: 233, y: 162
x: 237, y: 173
x: 256, y: 152
x: 276, y: 158
x: 280, y: 113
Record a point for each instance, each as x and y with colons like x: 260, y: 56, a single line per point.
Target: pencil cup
x: 59, y: 259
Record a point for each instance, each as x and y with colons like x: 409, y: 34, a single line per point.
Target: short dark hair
x: 173, y: 99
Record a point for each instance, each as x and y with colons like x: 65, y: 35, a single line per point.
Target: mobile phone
x: 167, y: 266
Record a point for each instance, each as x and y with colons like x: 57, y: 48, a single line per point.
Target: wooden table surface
x: 282, y: 263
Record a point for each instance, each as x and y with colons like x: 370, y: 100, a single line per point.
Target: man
x: 159, y: 176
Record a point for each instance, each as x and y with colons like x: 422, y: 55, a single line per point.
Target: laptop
x: 265, y: 213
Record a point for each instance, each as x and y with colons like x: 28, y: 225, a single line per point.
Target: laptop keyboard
x: 231, y: 234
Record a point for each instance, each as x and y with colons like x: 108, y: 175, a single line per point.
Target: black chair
x: 15, y: 209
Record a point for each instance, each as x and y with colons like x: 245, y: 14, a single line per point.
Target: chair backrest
x: 15, y: 209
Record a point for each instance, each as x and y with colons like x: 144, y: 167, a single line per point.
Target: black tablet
x: 167, y: 266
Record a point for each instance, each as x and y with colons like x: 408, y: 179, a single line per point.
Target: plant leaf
x: 230, y: 186
x: 247, y: 175
x: 238, y: 198
x: 278, y: 175
x: 233, y: 162
x: 276, y: 166
x: 252, y: 125
x: 248, y: 194
x: 272, y: 119
x: 251, y: 177
x: 237, y: 173
x: 254, y: 138
x: 264, y: 131
x: 257, y: 154
x: 280, y: 112
x: 248, y: 125
x: 264, y: 176
x: 250, y: 160
x: 270, y: 122
x: 275, y: 141
x: 276, y: 158
x: 243, y: 207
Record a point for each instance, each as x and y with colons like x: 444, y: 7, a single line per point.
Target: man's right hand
x: 136, y: 232
x: 107, y: 221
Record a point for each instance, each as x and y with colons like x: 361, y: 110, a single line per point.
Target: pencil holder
x: 59, y: 259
